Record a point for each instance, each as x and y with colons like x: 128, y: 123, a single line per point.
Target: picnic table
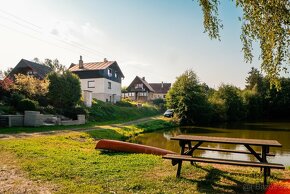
x: 188, y: 150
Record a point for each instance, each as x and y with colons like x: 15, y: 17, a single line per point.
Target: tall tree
x: 264, y: 21
x: 188, y: 98
x: 255, y: 80
x: 64, y: 90
x: 55, y: 65
x: 233, y: 102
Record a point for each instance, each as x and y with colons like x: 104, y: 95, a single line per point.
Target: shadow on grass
x: 212, y: 183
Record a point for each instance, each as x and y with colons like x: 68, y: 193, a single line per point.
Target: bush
x: 160, y: 103
x: 27, y: 104
x: 16, y: 98
x: 48, y: 110
x: 6, y: 109
x: 74, y: 112
x: 124, y: 103
x: 101, y: 111
x: 64, y: 90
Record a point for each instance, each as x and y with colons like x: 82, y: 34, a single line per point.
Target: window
x: 91, y: 84
x: 110, y: 72
x: 116, y: 74
x: 139, y: 86
x: 109, y: 85
x: 30, y: 73
x: 131, y: 94
x: 142, y: 93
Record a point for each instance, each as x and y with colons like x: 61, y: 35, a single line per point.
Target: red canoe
x: 122, y: 146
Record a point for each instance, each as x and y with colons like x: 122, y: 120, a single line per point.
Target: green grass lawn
x: 70, y: 162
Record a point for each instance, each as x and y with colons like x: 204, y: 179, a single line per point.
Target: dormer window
x: 139, y: 86
x: 110, y: 72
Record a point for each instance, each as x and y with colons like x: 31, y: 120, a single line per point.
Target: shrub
x: 48, y: 110
x: 160, y: 103
x: 27, y: 104
x: 73, y: 112
x: 64, y: 90
x: 16, y: 98
x: 124, y: 103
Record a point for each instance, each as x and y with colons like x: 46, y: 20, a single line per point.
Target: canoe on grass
x: 121, y: 146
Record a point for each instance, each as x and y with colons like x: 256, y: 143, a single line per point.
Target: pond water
x: 275, y: 131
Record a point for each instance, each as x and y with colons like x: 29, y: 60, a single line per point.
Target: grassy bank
x: 122, y: 111
x: 99, y: 114
x: 70, y: 164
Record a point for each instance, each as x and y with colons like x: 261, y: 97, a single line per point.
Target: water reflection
x: 276, y: 131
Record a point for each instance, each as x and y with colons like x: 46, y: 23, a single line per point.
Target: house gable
x: 107, y: 69
x: 139, y: 84
x: 30, y: 68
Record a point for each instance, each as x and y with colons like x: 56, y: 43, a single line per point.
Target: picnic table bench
x: 187, y: 151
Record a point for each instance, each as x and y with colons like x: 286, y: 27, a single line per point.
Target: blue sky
x: 157, y: 39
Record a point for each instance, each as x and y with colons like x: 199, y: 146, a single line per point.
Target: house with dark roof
x: 29, y: 68
x: 141, y: 90
x: 103, y: 79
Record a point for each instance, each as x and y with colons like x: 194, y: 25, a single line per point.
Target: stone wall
x: 13, y: 120
x: 35, y: 119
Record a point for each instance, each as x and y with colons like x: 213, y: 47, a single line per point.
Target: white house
x: 103, y: 79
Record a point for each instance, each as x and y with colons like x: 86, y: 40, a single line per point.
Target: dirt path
x: 14, y: 180
x: 23, y: 135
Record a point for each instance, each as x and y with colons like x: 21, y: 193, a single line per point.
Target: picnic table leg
x: 179, y: 169
x: 182, y: 146
x: 265, y: 150
x: 265, y: 176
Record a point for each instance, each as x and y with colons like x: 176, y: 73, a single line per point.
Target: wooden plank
x: 222, y: 161
x: 231, y: 151
x: 227, y: 140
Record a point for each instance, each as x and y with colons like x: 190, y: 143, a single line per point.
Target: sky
x: 155, y: 39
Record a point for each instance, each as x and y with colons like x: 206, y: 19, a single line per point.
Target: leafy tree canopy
x: 55, y: 65
x: 64, y: 90
x: 188, y: 98
x: 264, y: 21
x: 30, y: 86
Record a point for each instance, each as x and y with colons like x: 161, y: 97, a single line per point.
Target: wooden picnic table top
x: 258, y: 142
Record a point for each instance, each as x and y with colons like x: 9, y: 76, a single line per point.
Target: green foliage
x: 6, y: 109
x: 64, y: 90
x: 232, y: 102
x: 125, y: 103
x: 74, y: 111
x: 265, y: 22
x: 101, y: 111
x: 188, y: 99
x: 161, y: 103
x: 253, y: 105
x: 155, y: 125
x: 27, y: 104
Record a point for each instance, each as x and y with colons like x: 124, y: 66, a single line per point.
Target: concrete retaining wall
x: 35, y: 119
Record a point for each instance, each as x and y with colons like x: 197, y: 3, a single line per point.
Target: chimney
x: 105, y: 60
x: 81, y: 63
x: 143, y: 78
x: 162, y: 84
